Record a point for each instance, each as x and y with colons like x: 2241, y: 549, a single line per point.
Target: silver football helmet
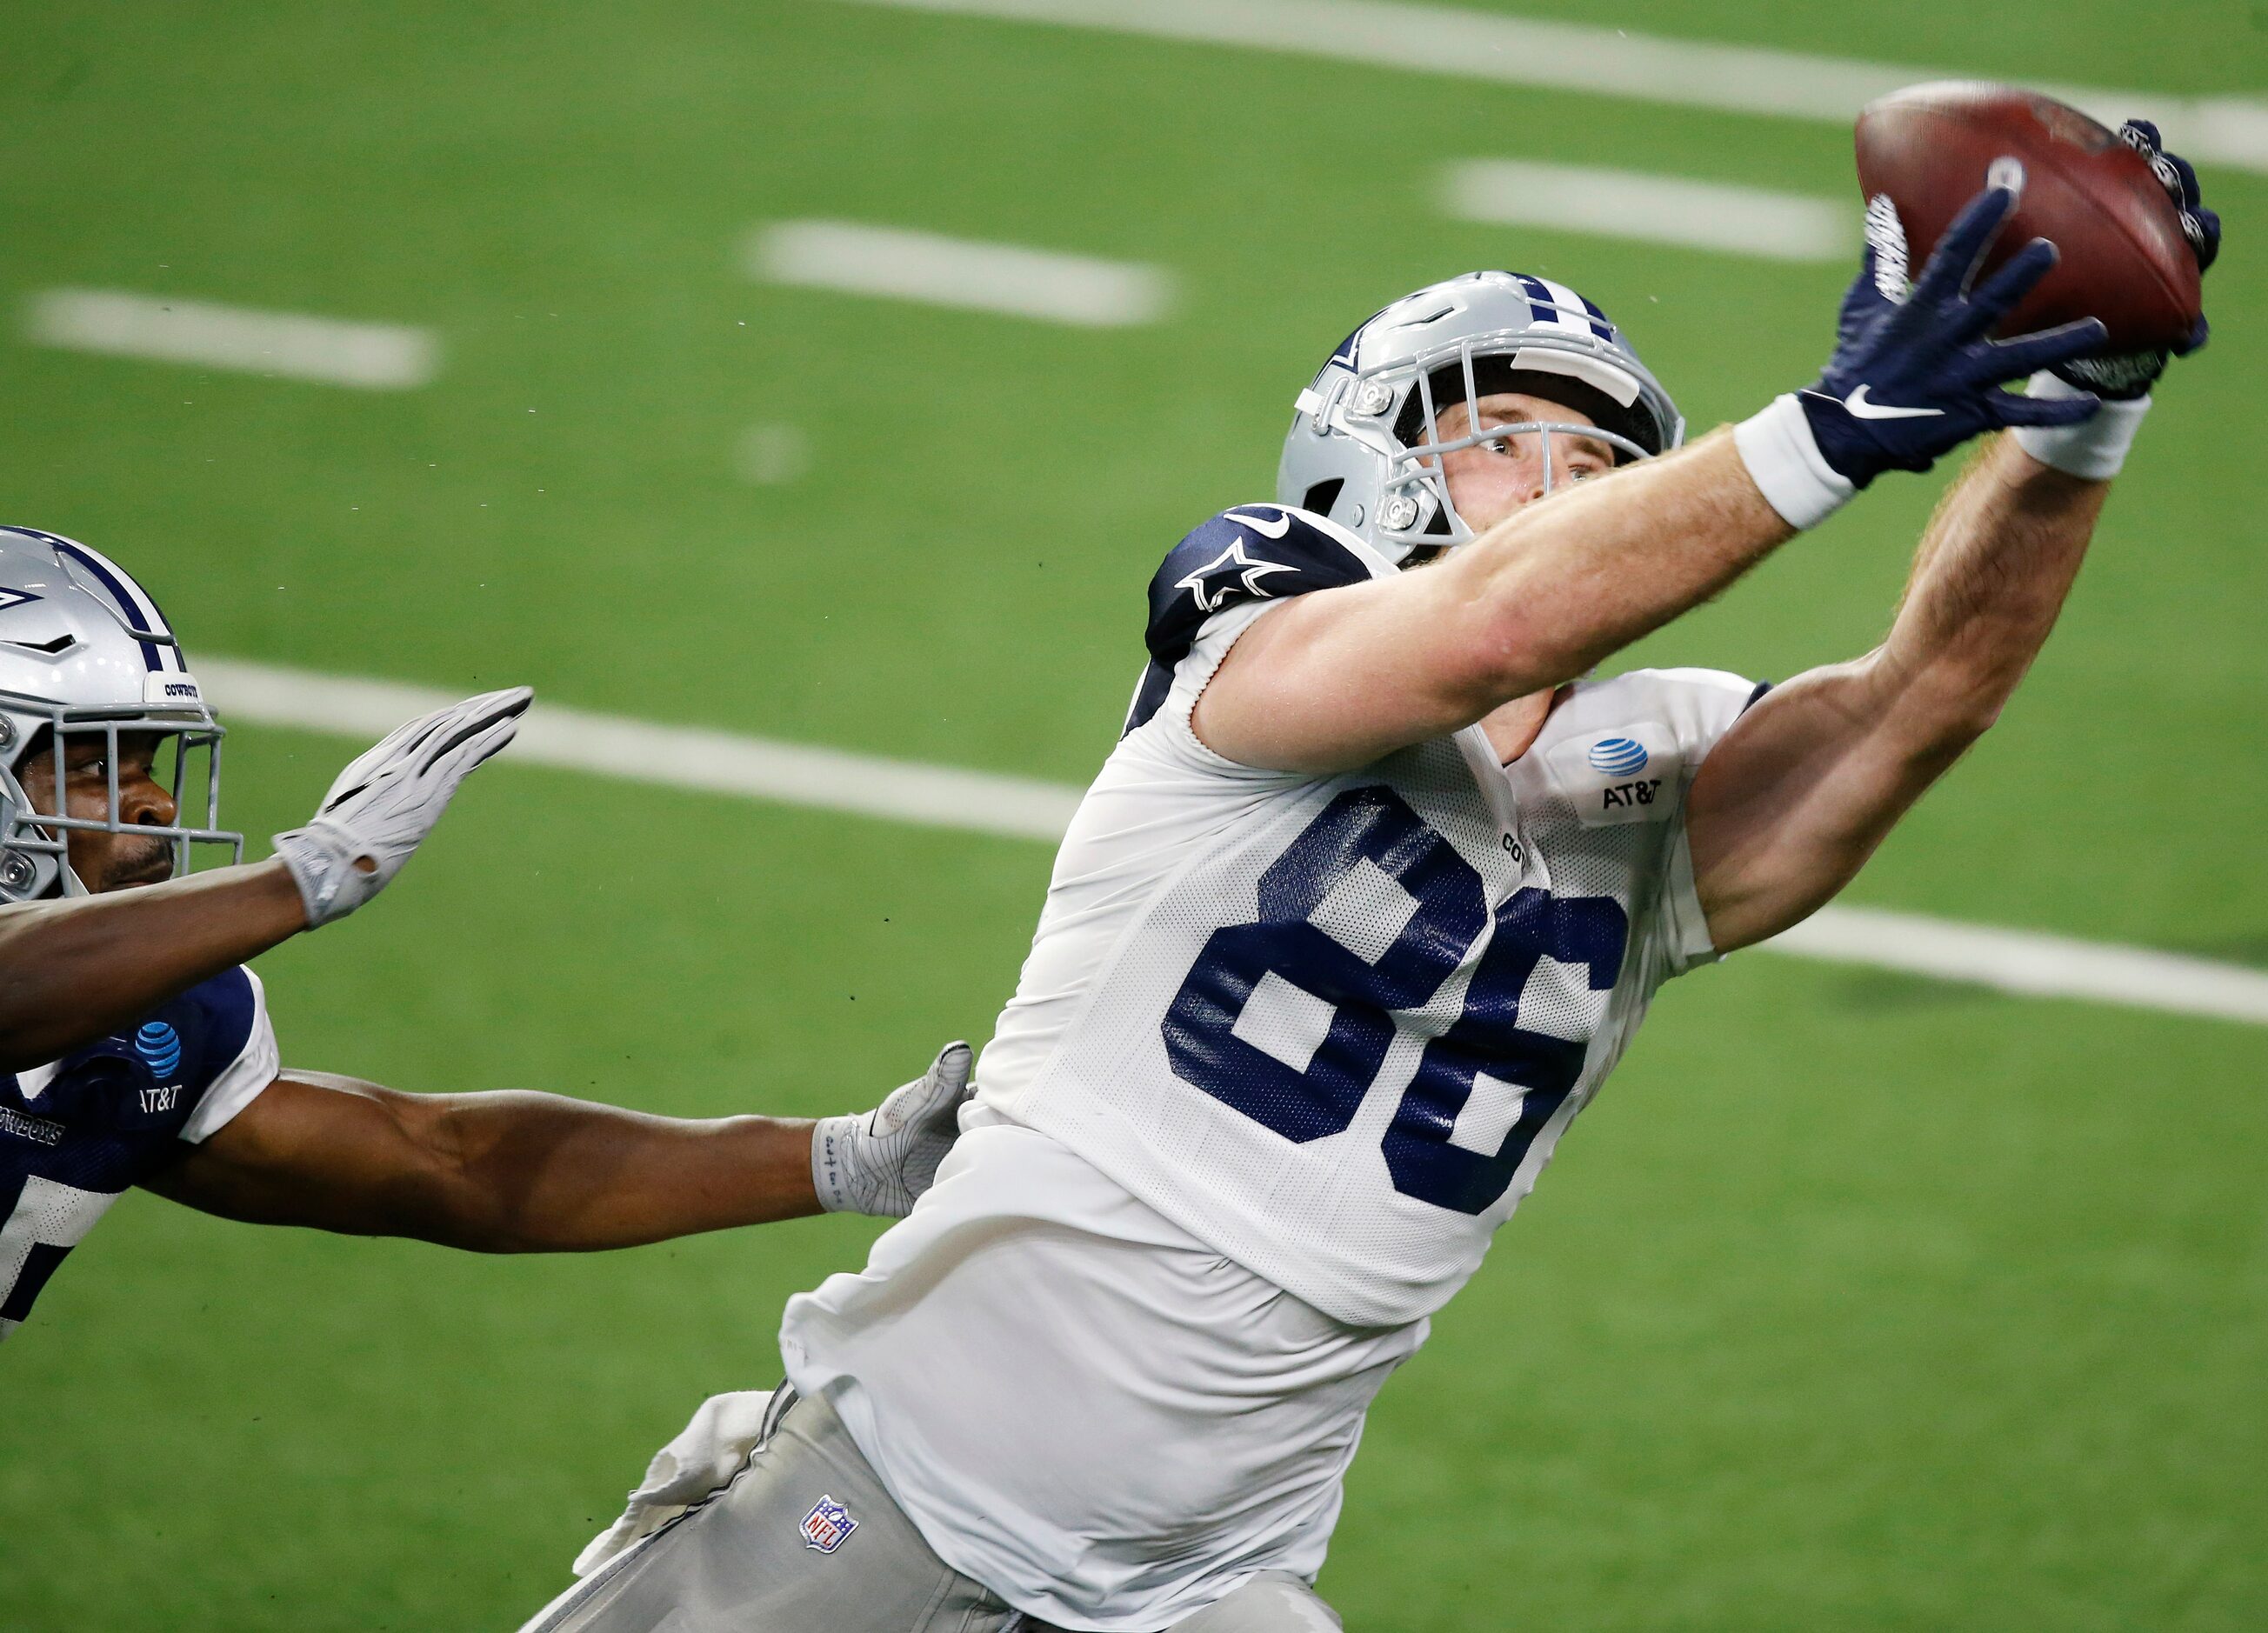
x: 1364, y: 448
x: 84, y: 652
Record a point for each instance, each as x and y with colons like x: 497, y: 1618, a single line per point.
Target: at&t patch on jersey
x: 828, y: 1526
x: 1626, y: 775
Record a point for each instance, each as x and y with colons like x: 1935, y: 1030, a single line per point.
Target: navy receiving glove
x: 2126, y: 376
x: 1912, y: 379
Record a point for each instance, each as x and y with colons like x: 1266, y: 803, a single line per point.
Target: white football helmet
x: 1364, y: 448
x: 84, y: 652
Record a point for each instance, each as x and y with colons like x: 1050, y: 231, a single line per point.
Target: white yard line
x: 1013, y: 807
x: 373, y: 356
x: 1572, y: 56
x: 2029, y: 962
x: 893, y: 264
x: 643, y: 750
x: 1658, y: 210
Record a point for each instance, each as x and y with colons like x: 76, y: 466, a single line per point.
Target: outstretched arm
x: 516, y: 1172
x: 1795, y: 799
x: 1336, y: 678
x: 76, y: 969
x: 1342, y: 676
x: 503, y: 1172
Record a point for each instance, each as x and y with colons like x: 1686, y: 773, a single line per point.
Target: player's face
x: 1491, y: 480
x: 107, y: 861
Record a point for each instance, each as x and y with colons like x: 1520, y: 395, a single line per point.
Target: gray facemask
x: 87, y: 656
x: 1364, y: 448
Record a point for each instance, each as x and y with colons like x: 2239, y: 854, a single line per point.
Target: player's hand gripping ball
x: 2132, y: 239
x: 2129, y: 374
x: 1914, y: 374
x: 2134, y: 236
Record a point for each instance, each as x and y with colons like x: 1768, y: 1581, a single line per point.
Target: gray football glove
x: 385, y: 804
x: 879, y: 1161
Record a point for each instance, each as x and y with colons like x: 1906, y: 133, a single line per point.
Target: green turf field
x: 1862, y: 1301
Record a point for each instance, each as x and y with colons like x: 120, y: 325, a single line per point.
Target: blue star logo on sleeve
x: 1211, y: 583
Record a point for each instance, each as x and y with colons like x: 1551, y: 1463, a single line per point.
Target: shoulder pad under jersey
x: 1251, y: 552
x: 1248, y: 553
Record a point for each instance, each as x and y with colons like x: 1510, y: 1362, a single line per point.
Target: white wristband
x: 836, y: 1170
x: 2096, y: 448
x: 1785, y: 462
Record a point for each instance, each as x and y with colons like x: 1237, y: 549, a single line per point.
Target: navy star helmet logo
x: 14, y: 598
x: 1211, y: 583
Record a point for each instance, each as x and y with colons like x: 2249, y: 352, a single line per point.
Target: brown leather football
x: 2124, y: 260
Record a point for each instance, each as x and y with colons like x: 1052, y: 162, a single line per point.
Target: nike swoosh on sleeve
x: 1862, y: 409
x: 1260, y: 525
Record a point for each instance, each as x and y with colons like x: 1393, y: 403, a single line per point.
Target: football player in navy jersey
x: 135, y: 1049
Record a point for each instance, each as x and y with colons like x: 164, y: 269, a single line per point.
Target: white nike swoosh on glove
x: 1862, y: 409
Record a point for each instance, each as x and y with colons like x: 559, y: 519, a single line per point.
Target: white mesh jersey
x: 1333, y: 1027
x: 1285, y: 1051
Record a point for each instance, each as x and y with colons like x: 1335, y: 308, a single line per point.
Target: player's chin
x: 135, y: 874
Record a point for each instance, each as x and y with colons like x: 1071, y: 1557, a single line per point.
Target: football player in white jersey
x: 135, y: 1050
x: 1358, y: 916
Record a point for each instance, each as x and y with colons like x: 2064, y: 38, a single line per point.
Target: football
x: 1929, y: 148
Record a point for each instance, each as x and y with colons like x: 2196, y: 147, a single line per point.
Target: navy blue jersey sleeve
x: 1250, y: 553
x: 228, y: 1049
x: 225, y: 1008
x: 75, y: 1134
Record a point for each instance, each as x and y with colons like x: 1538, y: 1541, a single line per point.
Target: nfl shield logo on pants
x: 828, y: 1525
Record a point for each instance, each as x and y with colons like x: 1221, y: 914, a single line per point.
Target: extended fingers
x: 1999, y: 294
x: 2006, y: 408
x: 400, y: 740
x: 2202, y: 228
x: 2178, y: 177
x: 2199, y: 225
x: 2175, y: 173
x: 376, y: 760
x: 477, y: 720
x: 1957, y: 253
x: 489, y: 741
x: 934, y: 1097
x: 2028, y: 354
x: 477, y: 745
